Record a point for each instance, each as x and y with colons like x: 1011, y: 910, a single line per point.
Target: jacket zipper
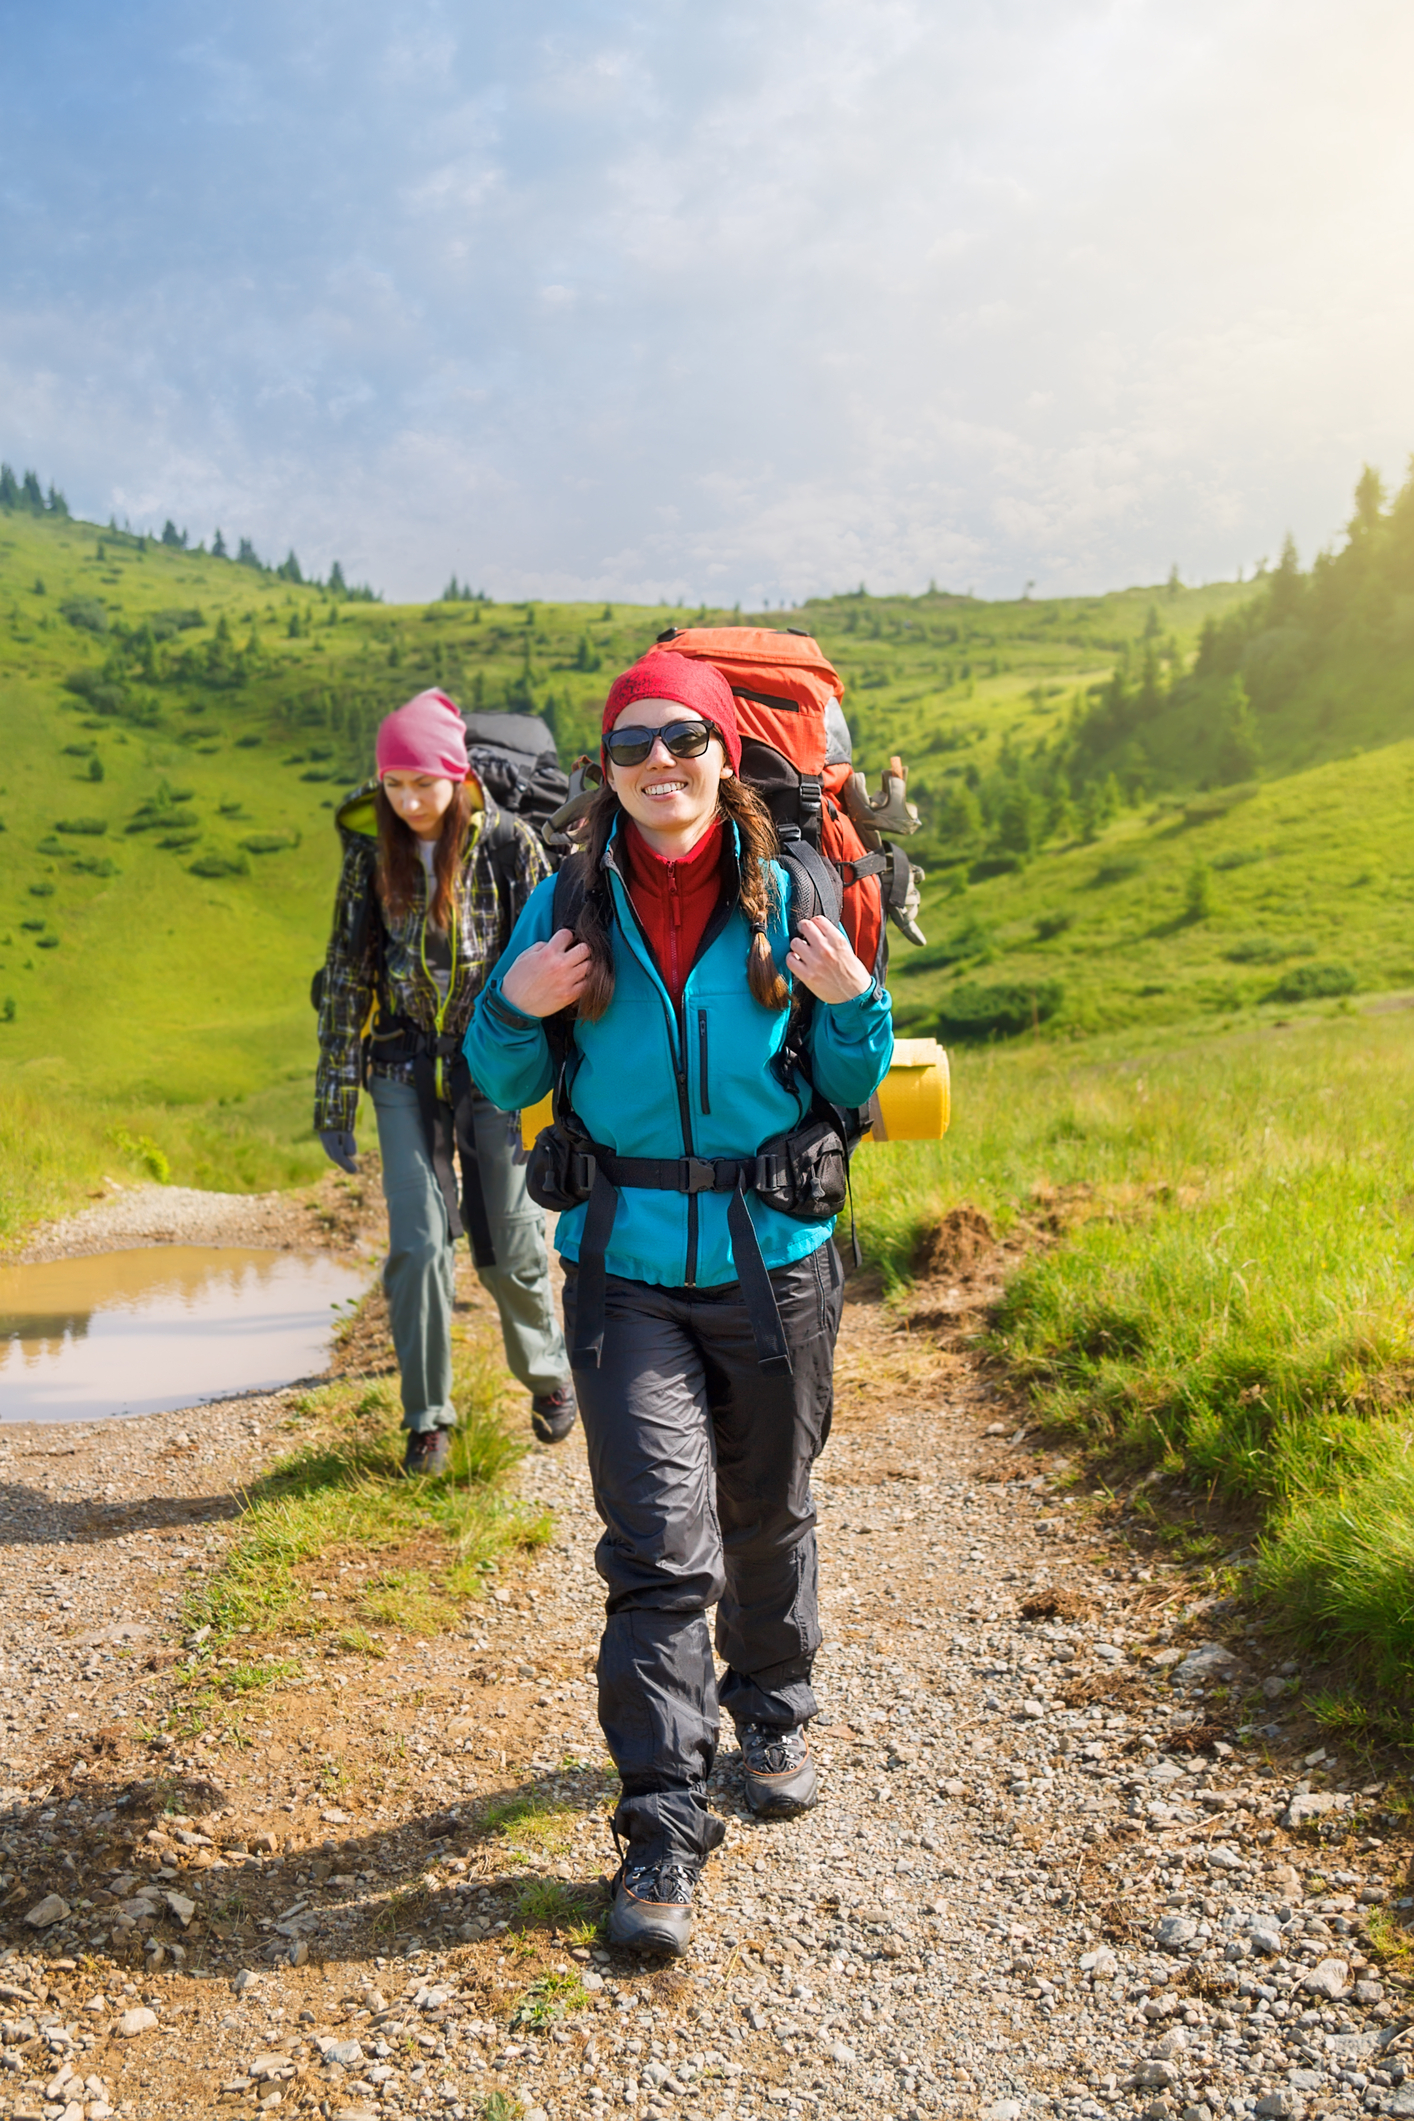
x: 678, y: 1019
x: 702, y: 1057
x: 445, y: 1000
x: 676, y: 979
x: 690, y: 1278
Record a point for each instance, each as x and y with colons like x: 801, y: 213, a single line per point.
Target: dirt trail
x: 1045, y: 1876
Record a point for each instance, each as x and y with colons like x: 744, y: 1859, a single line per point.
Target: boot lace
x: 665, y: 1879
x: 766, y: 1749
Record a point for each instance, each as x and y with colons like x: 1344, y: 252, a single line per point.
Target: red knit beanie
x: 700, y: 687
x: 427, y: 735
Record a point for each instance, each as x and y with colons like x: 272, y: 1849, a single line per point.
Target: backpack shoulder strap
x: 815, y: 885
x: 498, y: 837
x: 498, y: 841
x: 565, y: 904
x: 569, y: 895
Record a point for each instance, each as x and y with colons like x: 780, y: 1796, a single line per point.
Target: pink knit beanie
x: 425, y: 736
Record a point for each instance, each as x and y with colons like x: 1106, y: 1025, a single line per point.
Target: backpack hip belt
x: 803, y: 1174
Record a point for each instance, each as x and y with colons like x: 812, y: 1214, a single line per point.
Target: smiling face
x: 420, y: 799
x: 672, y: 801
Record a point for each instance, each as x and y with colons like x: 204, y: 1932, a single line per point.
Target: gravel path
x: 1075, y: 1855
x: 331, y: 1215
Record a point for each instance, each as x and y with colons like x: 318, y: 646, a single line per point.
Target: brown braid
x: 740, y: 806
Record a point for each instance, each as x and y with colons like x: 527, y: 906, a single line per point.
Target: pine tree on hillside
x: 1287, y: 591
x: 172, y: 536
x: 54, y: 501
x: 1369, y: 501
x: 9, y: 488
x: 289, y: 568
x: 247, y: 556
x: 218, y: 546
x: 1241, y: 752
x: 338, y: 587
x: 32, y: 497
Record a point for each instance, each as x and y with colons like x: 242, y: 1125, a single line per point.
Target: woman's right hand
x: 548, y: 976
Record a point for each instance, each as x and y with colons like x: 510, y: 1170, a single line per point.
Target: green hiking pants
x: 418, y: 1276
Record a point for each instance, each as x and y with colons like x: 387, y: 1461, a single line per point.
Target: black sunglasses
x: 685, y: 740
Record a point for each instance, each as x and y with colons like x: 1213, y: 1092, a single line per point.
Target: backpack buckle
x: 696, y: 1175
x: 772, y: 1172
x: 583, y: 1172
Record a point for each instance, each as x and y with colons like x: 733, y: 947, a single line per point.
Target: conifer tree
x: 218, y: 546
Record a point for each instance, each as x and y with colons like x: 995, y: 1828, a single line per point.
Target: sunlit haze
x: 723, y: 302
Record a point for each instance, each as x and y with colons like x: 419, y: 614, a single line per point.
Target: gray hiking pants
x: 418, y: 1277
x: 701, y: 1470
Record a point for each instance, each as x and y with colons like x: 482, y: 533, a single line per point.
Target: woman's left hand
x: 821, y: 959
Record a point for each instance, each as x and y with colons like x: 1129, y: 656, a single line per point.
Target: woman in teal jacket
x: 702, y: 1318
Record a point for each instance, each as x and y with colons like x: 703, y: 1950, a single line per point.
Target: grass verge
x: 1230, y: 1299
x: 342, y: 1493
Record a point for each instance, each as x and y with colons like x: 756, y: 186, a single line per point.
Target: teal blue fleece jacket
x: 649, y: 1080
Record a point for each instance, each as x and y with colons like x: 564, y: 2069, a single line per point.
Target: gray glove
x: 340, y: 1148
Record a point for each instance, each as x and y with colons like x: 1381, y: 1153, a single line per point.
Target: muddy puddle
x: 167, y: 1326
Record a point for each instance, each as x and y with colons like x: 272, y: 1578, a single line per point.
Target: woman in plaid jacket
x: 433, y: 879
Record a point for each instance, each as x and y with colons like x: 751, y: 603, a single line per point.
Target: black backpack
x: 514, y: 758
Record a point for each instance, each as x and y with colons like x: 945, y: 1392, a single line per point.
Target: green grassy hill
x: 177, y: 728
x: 1170, y: 875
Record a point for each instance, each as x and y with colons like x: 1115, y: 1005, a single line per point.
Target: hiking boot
x: 777, y: 1769
x: 552, y: 1413
x: 652, y: 1910
x: 428, y: 1451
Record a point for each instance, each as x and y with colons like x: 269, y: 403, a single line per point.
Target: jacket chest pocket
x: 703, y: 1090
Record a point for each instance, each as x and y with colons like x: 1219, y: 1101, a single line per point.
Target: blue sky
x: 724, y: 301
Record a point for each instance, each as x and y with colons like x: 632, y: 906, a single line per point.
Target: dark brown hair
x: 399, y: 862
x: 739, y: 806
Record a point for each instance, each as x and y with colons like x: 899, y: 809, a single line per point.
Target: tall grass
x: 59, y: 1144
x: 1232, y: 1294
x: 342, y: 1491
x: 47, y: 1158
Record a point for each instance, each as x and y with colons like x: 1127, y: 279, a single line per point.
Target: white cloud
x: 751, y: 300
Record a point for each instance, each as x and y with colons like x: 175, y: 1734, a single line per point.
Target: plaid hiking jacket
x: 489, y: 900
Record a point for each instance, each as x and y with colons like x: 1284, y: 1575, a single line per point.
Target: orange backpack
x: 787, y: 699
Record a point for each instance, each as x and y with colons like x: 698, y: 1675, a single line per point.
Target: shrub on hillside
x: 102, y: 694
x: 220, y: 865
x: 1266, y: 950
x: 1116, y: 870
x: 270, y: 842
x: 1311, y: 983
x: 975, y: 1011
x: 89, y: 828
x: 86, y: 613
